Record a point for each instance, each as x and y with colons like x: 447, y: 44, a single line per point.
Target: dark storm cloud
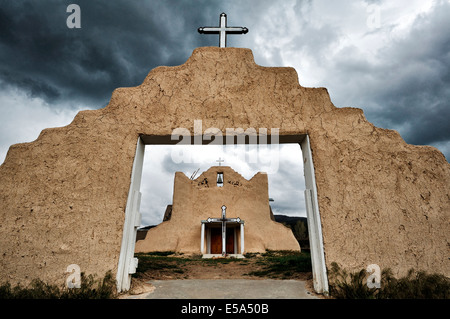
x: 118, y: 44
x: 418, y: 95
x: 408, y: 89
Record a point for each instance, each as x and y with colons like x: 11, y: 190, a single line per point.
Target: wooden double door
x: 216, y: 240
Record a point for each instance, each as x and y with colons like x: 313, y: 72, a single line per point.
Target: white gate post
x: 127, y: 263
x: 319, y: 271
x: 202, y: 239
x: 242, y: 238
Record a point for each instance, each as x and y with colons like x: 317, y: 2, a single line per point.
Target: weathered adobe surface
x: 63, y: 196
x: 194, y: 201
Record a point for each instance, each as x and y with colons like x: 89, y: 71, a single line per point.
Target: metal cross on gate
x: 224, y: 220
x: 223, y: 30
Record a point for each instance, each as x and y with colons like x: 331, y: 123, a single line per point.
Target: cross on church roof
x: 220, y: 160
x: 222, y: 30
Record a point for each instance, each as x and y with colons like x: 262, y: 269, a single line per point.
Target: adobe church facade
x: 194, y: 226
x: 65, y: 197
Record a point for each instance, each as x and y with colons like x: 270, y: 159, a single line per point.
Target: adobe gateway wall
x: 63, y: 196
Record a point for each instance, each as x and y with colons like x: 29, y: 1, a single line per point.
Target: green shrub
x: 283, y: 264
x: 416, y: 285
x: 345, y: 285
x: 158, y: 261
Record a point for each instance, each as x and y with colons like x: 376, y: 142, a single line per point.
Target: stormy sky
x: 389, y: 58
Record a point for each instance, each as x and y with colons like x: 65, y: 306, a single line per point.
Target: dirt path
x: 247, y: 269
x: 228, y: 289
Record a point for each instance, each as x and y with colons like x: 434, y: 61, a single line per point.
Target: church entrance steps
x: 220, y: 256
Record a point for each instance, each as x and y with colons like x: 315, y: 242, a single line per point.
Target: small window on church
x: 219, y: 179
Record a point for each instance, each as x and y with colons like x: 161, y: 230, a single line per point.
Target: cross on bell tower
x: 220, y: 161
x: 222, y: 30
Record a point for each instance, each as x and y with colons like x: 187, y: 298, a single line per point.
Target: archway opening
x: 307, y: 205
x: 283, y: 167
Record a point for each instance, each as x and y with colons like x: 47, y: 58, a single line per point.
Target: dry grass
x: 415, y: 285
x: 91, y: 288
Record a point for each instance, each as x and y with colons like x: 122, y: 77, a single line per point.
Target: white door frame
x: 127, y: 263
x: 319, y: 271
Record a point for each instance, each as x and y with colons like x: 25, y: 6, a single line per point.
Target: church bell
x: 219, y: 178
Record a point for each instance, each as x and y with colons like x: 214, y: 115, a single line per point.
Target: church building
x: 219, y: 213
